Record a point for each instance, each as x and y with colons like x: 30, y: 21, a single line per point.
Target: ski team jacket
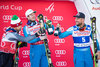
x: 81, y: 38
x: 9, y: 40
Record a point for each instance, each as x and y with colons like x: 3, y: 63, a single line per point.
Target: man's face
x: 31, y: 17
x: 79, y: 21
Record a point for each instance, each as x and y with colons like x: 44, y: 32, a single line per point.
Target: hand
x: 98, y: 55
x: 43, y: 37
x: 39, y: 34
x: 49, y: 22
x: 58, y: 25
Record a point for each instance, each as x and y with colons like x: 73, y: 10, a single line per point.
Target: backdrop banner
x: 58, y: 12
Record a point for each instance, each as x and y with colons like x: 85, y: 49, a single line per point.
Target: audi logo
x: 59, y: 40
x: 13, y: 46
x: 60, y: 52
x: 2, y: 44
x: 4, y: 29
x: 25, y: 52
x: 26, y: 64
x: 59, y: 18
x: 7, y: 17
x: 61, y: 63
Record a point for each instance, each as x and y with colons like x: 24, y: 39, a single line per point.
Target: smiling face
x: 31, y: 17
x: 79, y: 21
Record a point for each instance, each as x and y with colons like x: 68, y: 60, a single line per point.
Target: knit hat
x: 15, y: 21
x: 28, y: 12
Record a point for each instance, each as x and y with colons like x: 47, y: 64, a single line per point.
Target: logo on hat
x: 15, y: 21
x: 80, y: 15
x: 28, y: 12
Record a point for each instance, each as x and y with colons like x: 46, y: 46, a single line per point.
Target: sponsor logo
x: 60, y: 52
x: 7, y: 17
x: 2, y: 44
x: 59, y: 40
x: 50, y: 8
x: 26, y: 64
x: 4, y: 29
x: 57, y: 18
x: 95, y: 1
x: 25, y: 52
x: 61, y: 63
x: 12, y: 45
x: 95, y: 8
x: 83, y: 33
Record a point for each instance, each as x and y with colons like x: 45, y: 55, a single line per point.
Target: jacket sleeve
x: 16, y: 36
x: 68, y: 32
x: 26, y: 34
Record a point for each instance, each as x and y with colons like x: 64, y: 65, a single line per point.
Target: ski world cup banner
x: 58, y: 12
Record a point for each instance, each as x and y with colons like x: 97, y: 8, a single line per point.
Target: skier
x: 9, y: 40
x: 38, y: 56
x: 81, y: 34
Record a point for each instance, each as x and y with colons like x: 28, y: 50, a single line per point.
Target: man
x: 81, y: 34
x: 9, y: 40
x: 38, y: 56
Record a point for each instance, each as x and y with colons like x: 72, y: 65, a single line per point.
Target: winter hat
x: 28, y: 12
x: 15, y: 21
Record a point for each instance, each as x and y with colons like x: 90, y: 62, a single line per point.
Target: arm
x: 66, y: 33
x: 34, y: 40
x: 26, y: 34
x: 15, y: 36
x: 25, y: 31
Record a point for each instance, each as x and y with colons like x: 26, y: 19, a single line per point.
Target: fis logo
x: 50, y: 8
